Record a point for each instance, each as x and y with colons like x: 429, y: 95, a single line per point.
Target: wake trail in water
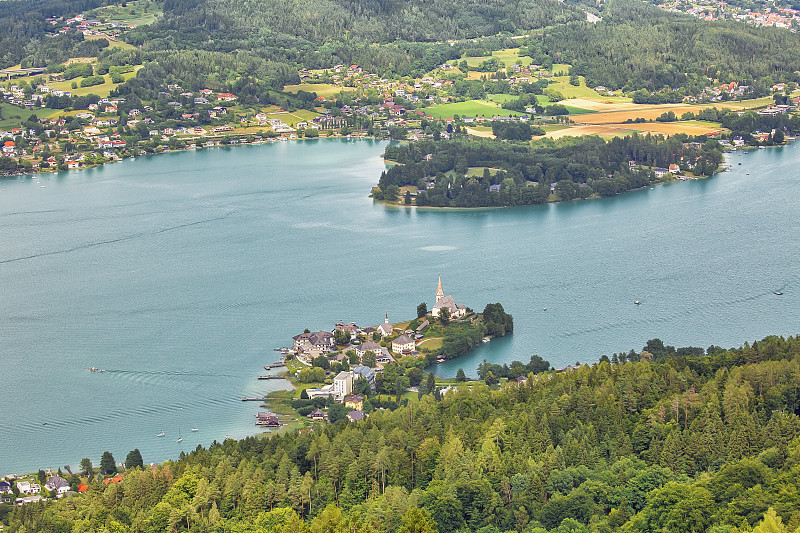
x: 112, y: 241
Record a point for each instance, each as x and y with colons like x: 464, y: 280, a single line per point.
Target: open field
x: 135, y: 12
x: 605, y: 131
x: 322, y: 89
x: 478, y: 171
x: 671, y: 128
x: 469, y: 108
x: 11, y: 115
x: 509, y: 56
x: 300, y: 115
x: 480, y: 132
x: 112, y: 43
x: 102, y: 90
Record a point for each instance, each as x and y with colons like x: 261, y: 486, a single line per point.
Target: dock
x: 274, y: 365
x: 271, y: 377
x: 259, y: 399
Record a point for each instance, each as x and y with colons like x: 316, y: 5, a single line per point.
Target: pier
x: 274, y: 365
x: 271, y: 377
x: 259, y: 399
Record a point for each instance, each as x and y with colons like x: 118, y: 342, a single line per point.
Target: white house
x: 57, y: 484
x: 403, y: 344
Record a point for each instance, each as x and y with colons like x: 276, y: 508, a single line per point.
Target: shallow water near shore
x: 178, y: 274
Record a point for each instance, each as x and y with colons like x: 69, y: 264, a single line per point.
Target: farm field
x: 671, y: 128
x: 509, y: 56
x: 480, y: 132
x: 322, y: 89
x: 297, y: 116
x: 605, y: 131
x: 469, y: 108
x: 136, y: 12
x: 112, y: 43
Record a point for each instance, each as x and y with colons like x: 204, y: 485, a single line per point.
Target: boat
x: 637, y: 302
x: 486, y: 339
x: 162, y: 434
x: 195, y: 428
x: 777, y: 293
x: 180, y: 437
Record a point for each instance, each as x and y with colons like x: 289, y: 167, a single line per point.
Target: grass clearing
x: 11, y: 116
x: 478, y: 171
x: 470, y: 108
x: 102, y: 90
x: 322, y: 89
x: 135, y: 12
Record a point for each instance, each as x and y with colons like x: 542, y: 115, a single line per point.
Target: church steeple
x: 439, y: 291
x: 386, y: 320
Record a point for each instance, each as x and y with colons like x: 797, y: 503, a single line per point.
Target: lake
x: 178, y: 274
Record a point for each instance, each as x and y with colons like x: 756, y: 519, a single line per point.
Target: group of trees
x: 575, y: 167
x: 704, y: 441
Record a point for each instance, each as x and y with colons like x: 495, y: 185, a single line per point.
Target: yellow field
x: 322, y: 89
x: 480, y: 133
x: 579, y: 131
x: 670, y: 128
x: 111, y: 42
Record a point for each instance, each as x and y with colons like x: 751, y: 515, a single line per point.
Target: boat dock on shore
x: 249, y: 399
x: 271, y: 377
x: 274, y: 365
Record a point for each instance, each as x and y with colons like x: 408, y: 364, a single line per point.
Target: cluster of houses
x: 28, y: 491
x: 770, y: 15
x: 341, y: 390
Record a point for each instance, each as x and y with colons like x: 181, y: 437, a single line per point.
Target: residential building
x: 354, y: 402
x: 403, y: 345
x: 356, y: 416
x: 57, y: 484
x: 320, y: 340
x: 366, y: 373
x: 342, y: 385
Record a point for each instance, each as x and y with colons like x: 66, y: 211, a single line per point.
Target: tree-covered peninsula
x: 521, y: 174
x: 660, y: 439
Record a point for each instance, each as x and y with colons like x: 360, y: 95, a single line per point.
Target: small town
x: 345, y: 373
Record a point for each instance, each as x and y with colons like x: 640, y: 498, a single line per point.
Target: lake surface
x: 178, y: 274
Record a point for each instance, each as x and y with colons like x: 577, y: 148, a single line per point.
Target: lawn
x: 102, y: 90
x: 509, y: 57
x: 470, y: 108
x: 111, y: 42
x: 478, y: 171
x: 11, y: 116
x: 322, y: 89
x: 135, y: 12
x: 301, y: 115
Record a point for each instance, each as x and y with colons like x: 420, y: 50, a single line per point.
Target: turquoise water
x: 178, y: 274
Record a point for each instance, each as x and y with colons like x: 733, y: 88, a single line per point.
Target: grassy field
x: 11, y: 116
x: 301, y: 115
x: 135, y: 12
x: 111, y: 42
x: 509, y: 56
x: 322, y: 89
x: 478, y: 171
x: 469, y: 108
x: 102, y: 90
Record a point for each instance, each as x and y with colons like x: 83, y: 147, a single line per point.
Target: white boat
x: 195, y: 429
x: 162, y: 434
x: 637, y: 302
x: 180, y: 437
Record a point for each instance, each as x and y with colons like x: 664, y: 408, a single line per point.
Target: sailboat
x: 180, y: 437
x: 162, y: 434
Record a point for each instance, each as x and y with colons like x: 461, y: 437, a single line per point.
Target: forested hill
x: 680, y: 440
x: 640, y: 46
x: 375, y: 21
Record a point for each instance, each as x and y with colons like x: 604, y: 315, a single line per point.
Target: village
x: 345, y: 372
x: 45, y: 485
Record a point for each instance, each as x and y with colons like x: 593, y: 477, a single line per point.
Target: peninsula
x: 351, y: 367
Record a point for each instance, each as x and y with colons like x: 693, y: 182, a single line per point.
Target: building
x: 404, y: 344
x: 5, y: 487
x: 57, y: 484
x: 385, y: 328
x: 369, y: 346
x: 342, y: 385
x: 320, y: 340
x: 366, y: 373
x: 317, y: 415
x: 447, y: 302
x: 356, y: 416
x: 354, y: 402
x: 24, y: 487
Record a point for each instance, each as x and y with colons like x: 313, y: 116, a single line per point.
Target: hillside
x: 656, y: 440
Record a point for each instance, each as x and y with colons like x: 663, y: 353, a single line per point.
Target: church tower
x: 439, y: 291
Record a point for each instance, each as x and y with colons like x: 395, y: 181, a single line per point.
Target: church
x: 443, y: 301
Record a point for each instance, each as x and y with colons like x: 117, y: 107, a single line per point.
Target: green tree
x: 460, y: 375
x: 369, y: 359
x: 422, y: 310
x: 134, y: 459
x: 86, y: 466
x: 107, y: 464
x: 417, y: 520
x: 444, y: 316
